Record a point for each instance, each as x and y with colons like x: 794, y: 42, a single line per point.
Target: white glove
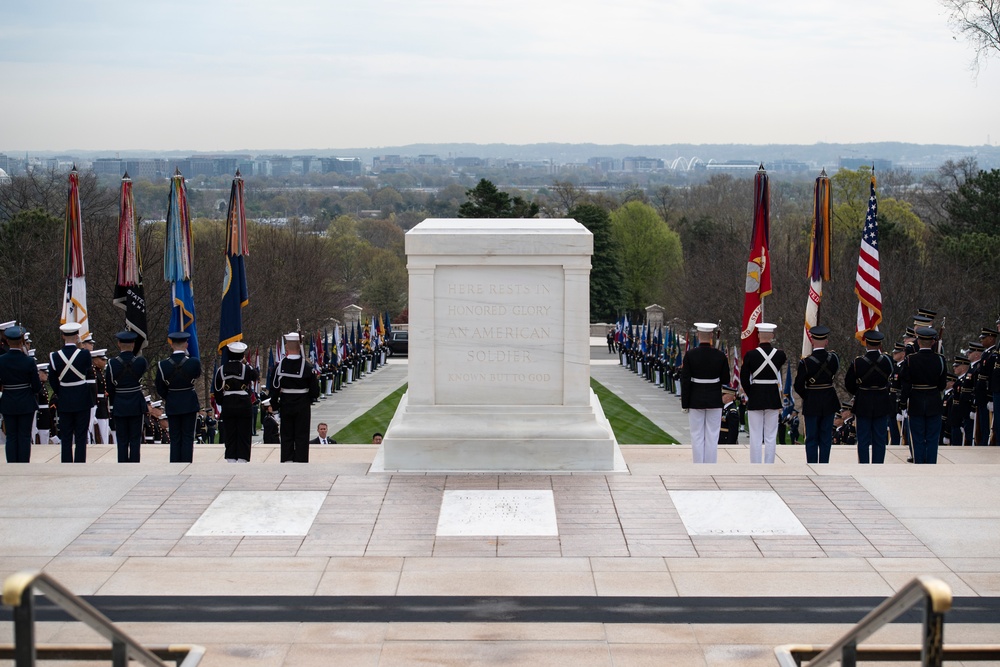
x: 972, y: 415
x: 899, y: 418
x: 989, y: 406
x: 947, y: 441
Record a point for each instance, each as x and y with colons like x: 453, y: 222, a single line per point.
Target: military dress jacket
x: 703, y: 372
x: 760, y: 377
x: 21, y: 386
x: 71, y: 372
x: 123, y: 381
x: 924, y: 375
x: 814, y: 383
x: 869, y: 379
x: 175, y: 378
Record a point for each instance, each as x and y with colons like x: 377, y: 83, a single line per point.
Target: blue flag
x: 182, y: 313
x: 234, y: 297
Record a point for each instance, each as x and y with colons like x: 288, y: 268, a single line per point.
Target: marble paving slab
x: 723, y: 513
x: 259, y: 513
x: 501, y: 513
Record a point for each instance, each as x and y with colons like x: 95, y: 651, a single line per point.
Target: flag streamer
x: 177, y: 264
x: 758, y: 281
x: 868, y: 283
x: 235, y: 294
x: 74, y: 305
x: 819, y: 257
x: 129, y: 294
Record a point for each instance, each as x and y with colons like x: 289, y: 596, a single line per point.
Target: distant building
x: 787, y: 166
x: 4, y: 178
x: 856, y: 163
x: 605, y: 164
x: 641, y: 164
x: 467, y: 162
x: 732, y: 166
x: 342, y: 165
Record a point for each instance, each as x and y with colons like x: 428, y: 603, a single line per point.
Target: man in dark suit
x: 868, y: 379
x: 923, y: 377
x: 321, y: 438
x: 18, y: 403
x: 70, y: 374
x: 123, y: 379
x: 703, y: 373
x: 175, y: 378
x: 814, y: 384
x: 232, y: 385
x: 760, y: 378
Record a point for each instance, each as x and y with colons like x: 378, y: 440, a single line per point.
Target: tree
x: 605, y: 278
x: 385, y: 286
x: 977, y: 22
x: 649, y: 255
x: 975, y: 205
x: 486, y: 201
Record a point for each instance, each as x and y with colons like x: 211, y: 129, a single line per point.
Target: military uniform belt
x: 43, y: 406
x: 873, y: 388
x: 73, y: 384
x: 924, y: 386
x: 765, y: 382
x: 706, y: 380
x: 128, y: 390
x: 183, y: 389
x: 235, y: 393
x: 293, y: 391
x: 9, y: 387
x: 101, y: 395
x: 820, y: 386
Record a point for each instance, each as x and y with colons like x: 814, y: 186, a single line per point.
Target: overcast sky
x: 225, y: 75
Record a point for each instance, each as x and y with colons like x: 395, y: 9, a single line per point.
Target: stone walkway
x: 110, y: 530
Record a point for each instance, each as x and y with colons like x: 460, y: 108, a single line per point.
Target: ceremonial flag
x: 235, y: 295
x: 868, y: 284
x: 129, y: 294
x: 74, y: 307
x: 819, y: 257
x: 178, y: 267
x: 270, y: 370
x: 758, y: 283
x: 787, y: 400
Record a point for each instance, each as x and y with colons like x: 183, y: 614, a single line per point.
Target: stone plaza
x: 337, y: 565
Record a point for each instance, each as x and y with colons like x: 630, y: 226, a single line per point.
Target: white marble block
x: 729, y: 513
x: 499, y: 356
x: 488, y: 512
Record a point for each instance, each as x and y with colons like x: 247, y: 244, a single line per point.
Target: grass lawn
x: 376, y: 420
x: 631, y: 427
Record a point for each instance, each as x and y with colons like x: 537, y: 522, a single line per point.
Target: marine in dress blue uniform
x: 703, y: 373
x: 923, y: 377
x: 868, y: 379
x: 19, y: 377
x: 70, y: 371
x: 814, y: 383
x: 175, y: 378
x: 760, y: 378
x: 123, y: 379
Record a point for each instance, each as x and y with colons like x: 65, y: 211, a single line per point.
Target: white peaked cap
x: 705, y: 327
x: 765, y: 327
x: 71, y: 328
x: 8, y: 325
x: 103, y: 352
x: 292, y: 336
x: 237, y: 347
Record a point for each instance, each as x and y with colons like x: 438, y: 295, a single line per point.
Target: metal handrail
x: 937, y: 597
x: 18, y: 592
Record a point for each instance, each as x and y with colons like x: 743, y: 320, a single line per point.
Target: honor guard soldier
x: 703, y: 373
x: 950, y: 411
x: 19, y: 400
x: 730, y: 432
x: 923, y: 376
x: 175, y: 378
x: 895, y: 418
x: 984, y: 391
x: 760, y: 378
x: 232, y: 386
x: 102, y: 415
x: 43, y: 421
x: 295, y: 387
x: 270, y: 424
x: 123, y: 380
x: 963, y: 390
x: 70, y: 375
x: 814, y: 383
x: 868, y: 379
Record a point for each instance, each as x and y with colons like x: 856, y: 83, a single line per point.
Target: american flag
x: 868, y: 284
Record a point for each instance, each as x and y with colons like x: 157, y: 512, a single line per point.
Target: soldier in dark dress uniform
x: 984, y: 392
x: 814, y: 384
x: 19, y: 401
x: 949, y: 410
x: 123, y: 379
x: 895, y: 418
x: 44, y: 418
x: 760, y: 378
x: 232, y: 386
x: 848, y: 434
x: 703, y: 373
x: 294, y: 387
x: 175, y: 378
x: 101, y: 433
x: 961, y: 404
x: 970, y: 383
x: 923, y: 376
x: 70, y: 372
x: 730, y: 432
x: 868, y: 379
x: 270, y: 424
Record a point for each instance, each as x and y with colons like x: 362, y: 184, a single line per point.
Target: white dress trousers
x: 763, y: 434
x: 705, y: 426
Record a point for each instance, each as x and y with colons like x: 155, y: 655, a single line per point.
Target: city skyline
x: 252, y: 76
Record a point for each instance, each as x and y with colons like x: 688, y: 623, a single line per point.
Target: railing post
x: 119, y: 654
x: 932, y: 651
x: 24, y: 630
x: 849, y: 656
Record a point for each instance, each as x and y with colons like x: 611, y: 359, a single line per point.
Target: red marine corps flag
x: 758, y: 283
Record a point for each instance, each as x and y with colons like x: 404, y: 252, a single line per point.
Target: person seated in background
x: 321, y: 438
